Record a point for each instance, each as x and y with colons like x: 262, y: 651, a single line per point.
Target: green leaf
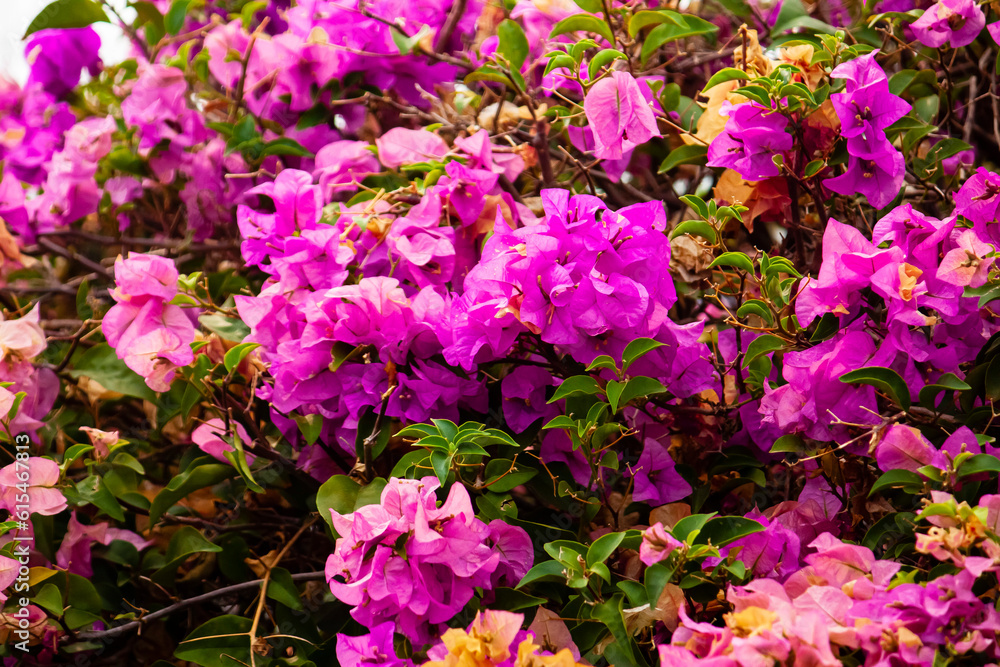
x: 947, y: 382
x: 602, y: 59
x: 603, y: 547
x: 583, y: 23
x: 281, y: 588
x: 100, y: 363
x: 67, y: 14
x: 603, y: 361
x: 221, y: 642
x: 736, y: 260
x: 636, y: 349
x: 50, y: 598
x: 814, y: 168
x: 229, y: 328
x: 693, y: 523
x: 758, y: 308
x: 405, y: 44
x: 286, y: 146
x: 724, y: 75
x: 668, y: 32
x: 173, y: 21
x: 513, y: 44
x: 185, y: 542
x: 640, y: 387
x: 695, y: 154
x: 578, y: 384
x: 910, y: 481
x: 723, y: 530
x: 592, y: 6
x: 788, y: 443
x: 188, y: 481
x: 503, y: 475
x: 884, y: 379
x: 237, y: 354
x: 339, y: 493
x: 695, y: 228
x: 549, y: 570
x: 511, y: 599
x: 761, y: 345
x: 560, y: 60
x: 979, y: 463
x: 310, y: 426
x: 93, y: 490
x: 237, y: 456
x: 646, y: 18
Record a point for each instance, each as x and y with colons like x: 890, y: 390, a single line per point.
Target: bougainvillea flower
x: 967, y: 264
x: 656, y: 479
x: 8, y: 575
x: 956, y: 23
x: 21, y: 339
x: 979, y: 197
x: 375, y: 648
x: 102, y: 441
x: 877, y: 177
x: 57, y: 56
x: 753, y: 135
x: 401, y: 146
x: 42, y: 477
x: 657, y: 544
x: 149, y: 334
x: 904, y: 448
x: 209, y: 438
x: 74, y: 554
x: 620, y: 116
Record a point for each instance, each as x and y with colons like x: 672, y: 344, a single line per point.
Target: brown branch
x: 454, y: 16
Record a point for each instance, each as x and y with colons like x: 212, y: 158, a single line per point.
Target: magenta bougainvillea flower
x: 620, y: 116
x: 953, y: 22
x: 412, y: 562
x: 74, y: 554
x: 58, y: 56
x: 866, y: 107
x: 752, y: 137
x: 149, y: 334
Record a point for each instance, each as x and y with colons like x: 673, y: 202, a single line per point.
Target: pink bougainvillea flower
x: 401, y: 146
x: 656, y: 480
x: 74, y: 552
x: 967, y: 265
x: 41, y: 476
x: 752, y: 136
x: 904, y: 448
x: 8, y: 575
x: 150, y: 335
x: 21, y: 339
x: 953, y: 22
x: 620, y: 116
x: 209, y: 436
x: 102, y: 441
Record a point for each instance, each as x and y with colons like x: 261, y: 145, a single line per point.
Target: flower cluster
x: 412, y: 562
x: 151, y: 335
x: 865, y: 109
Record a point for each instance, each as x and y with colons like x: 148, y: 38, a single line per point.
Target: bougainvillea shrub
x: 523, y: 333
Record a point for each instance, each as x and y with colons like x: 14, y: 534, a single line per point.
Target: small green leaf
x: 724, y: 75
x: 67, y: 14
x: 603, y: 547
x: 979, y: 463
x: 583, y: 23
x: 723, y: 530
x: 763, y: 344
x: 695, y: 228
x: 636, y: 349
x: 578, y: 384
x: 640, y: 387
x: 758, y: 308
x: 602, y: 59
x: 736, y: 260
x: 694, y: 154
x: 906, y: 479
x: 237, y: 354
x: 884, y: 379
x: 173, y: 21
x: 603, y: 361
x: 513, y: 44
x: 643, y: 19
